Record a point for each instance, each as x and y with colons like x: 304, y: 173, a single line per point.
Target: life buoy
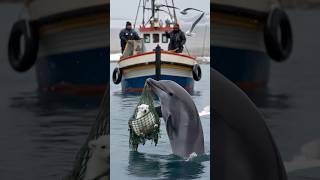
x: 116, y: 76
x: 196, y: 72
x: 278, y: 35
x: 22, y: 60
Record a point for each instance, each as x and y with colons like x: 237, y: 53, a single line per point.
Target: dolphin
x: 242, y: 143
x: 181, y: 118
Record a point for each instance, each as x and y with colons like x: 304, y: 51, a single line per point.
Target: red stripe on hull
x: 148, y: 29
x: 86, y: 90
x: 250, y: 86
x: 139, y: 90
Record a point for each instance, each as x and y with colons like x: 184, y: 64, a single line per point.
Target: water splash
x: 205, y: 111
x: 192, y: 156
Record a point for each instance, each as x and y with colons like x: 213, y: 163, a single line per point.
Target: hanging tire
x: 196, y: 72
x: 19, y: 60
x: 116, y: 76
x: 278, y: 35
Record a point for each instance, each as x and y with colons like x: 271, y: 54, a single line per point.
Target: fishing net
x: 146, y: 127
x: 99, y: 128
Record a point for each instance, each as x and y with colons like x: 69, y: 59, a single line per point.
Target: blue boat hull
x: 85, y: 71
x: 248, y: 69
x: 137, y: 84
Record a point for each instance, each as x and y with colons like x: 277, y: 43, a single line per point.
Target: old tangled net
x: 146, y: 127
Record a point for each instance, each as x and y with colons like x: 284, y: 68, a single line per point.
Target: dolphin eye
x: 103, y: 147
x: 170, y: 94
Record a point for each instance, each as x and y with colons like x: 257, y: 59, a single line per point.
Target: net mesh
x: 146, y: 127
x: 99, y: 128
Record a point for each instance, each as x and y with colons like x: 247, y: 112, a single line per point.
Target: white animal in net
x: 97, y: 164
x: 142, y: 110
x: 89, y: 152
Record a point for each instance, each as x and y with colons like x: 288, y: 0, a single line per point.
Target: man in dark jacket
x: 127, y: 34
x: 177, y: 39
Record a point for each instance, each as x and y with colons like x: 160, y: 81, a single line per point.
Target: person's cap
x: 128, y: 23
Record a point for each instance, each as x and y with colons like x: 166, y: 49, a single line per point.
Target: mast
x: 143, y: 12
x: 153, y: 8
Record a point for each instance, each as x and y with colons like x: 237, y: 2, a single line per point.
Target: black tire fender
x: 196, y: 72
x: 116, y: 75
x: 278, y: 35
x: 23, y: 61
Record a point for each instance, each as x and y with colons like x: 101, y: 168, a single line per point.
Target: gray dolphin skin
x: 181, y: 118
x: 243, y: 146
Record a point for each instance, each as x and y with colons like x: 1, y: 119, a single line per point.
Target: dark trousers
x: 123, y: 46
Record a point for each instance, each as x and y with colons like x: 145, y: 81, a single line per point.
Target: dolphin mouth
x: 154, y: 85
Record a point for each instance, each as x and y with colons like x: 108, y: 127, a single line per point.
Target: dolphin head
x: 169, y: 92
x: 165, y: 91
x: 161, y: 88
x: 171, y: 95
x: 166, y: 88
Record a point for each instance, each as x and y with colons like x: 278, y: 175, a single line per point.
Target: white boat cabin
x: 154, y: 33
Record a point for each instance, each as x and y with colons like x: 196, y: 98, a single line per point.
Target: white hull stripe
x: 151, y: 71
x: 150, y: 58
x: 74, y: 40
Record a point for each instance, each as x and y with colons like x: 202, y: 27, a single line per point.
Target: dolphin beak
x: 152, y: 83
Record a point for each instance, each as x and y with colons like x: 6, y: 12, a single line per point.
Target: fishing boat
x: 68, y: 43
x: 149, y: 58
x: 247, y: 35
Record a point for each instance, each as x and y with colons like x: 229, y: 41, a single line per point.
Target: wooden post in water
x: 158, y: 62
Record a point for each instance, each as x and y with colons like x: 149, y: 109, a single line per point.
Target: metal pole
x: 158, y: 62
x: 144, y: 10
x: 152, y: 8
x: 135, y: 20
x: 174, y: 13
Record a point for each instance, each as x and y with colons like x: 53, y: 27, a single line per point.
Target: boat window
x: 155, y: 38
x: 146, y: 38
x: 164, y: 38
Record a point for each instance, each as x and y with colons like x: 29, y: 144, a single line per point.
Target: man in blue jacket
x: 127, y: 34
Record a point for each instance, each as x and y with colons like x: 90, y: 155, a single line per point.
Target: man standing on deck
x: 127, y: 34
x: 177, y: 39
